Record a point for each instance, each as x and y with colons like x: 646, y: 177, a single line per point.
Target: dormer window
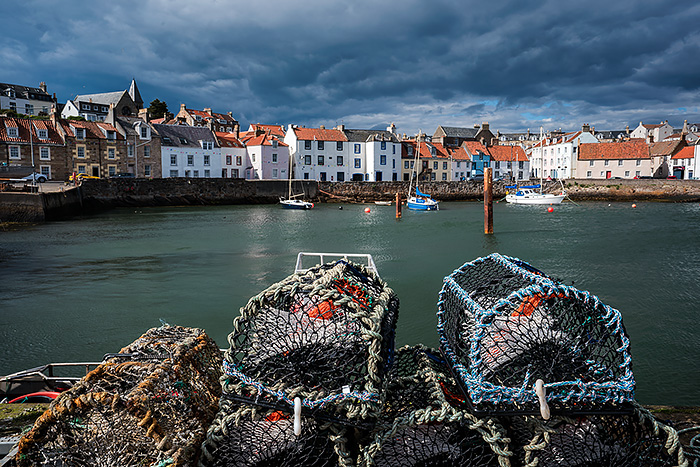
x: 111, y: 135
x: 166, y: 140
x: 207, y: 145
x: 12, y: 131
x: 80, y: 133
x: 85, y: 106
x: 11, y: 93
x: 183, y: 140
x: 410, y: 150
x: 144, y: 132
x: 43, y: 134
x: 274, y: 143
x: 198, y: 118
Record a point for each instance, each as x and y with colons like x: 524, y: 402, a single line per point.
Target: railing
x: 306, y: 260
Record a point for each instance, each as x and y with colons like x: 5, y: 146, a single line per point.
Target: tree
x: 157, y: 109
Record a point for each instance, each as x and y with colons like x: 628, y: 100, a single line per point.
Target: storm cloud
x: 418, y: 63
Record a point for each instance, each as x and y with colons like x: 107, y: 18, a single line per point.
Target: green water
x: 75, y: 290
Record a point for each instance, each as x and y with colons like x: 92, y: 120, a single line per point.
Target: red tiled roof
x: 25, y: 126
x: 507, y: 153
x: 228, y: 140
x: 319, y: 134
x: 632, y: 149
x: 213, y: 115
x: 474, y: 147
x: 665, y: 148
x: 687, y: 152
x: 261, y: 140
x: 92, y: 129
x: 275, y: 130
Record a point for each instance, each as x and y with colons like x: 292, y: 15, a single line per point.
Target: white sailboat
x: 532, y: 194
x: 417, y: 200
x: 291, y: 202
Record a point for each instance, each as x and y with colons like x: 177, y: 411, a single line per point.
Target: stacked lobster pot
x: 552, y: 362
x: 424, y: 421
x: 149, y: 404
x: 307, y: 364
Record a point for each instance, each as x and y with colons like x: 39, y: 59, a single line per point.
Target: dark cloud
x: 417, y: 63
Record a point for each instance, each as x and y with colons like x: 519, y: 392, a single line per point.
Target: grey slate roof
x: 610, y: 134
x: 362, y: 136
x: 104, y: 98
x: 171, y: 134
x: 128, y: 124
x: 24, y: 92
x: 457, y: 132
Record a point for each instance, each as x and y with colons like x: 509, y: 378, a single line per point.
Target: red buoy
x: 367, y: 209
x: 634, y: 205
x: 550, y: 209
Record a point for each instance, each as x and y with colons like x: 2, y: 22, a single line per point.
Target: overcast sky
x: 516, y: 64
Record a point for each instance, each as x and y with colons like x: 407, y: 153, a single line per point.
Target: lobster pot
x: 325, y: 336
x: 503, y: 325
x: 422, y: 422
x: 149, y: 404
x: 602, y: 440
x: 247, y: 435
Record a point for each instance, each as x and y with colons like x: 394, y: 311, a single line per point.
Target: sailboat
x: 291, y: 202
x: 417, y: 200
x: 532, y: 194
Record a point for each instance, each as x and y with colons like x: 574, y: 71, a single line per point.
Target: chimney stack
x: 143, y: 115
x: 322, y: 127
x: 207, y: 110
x: 42, y: 86
x: 182, y: 107
x: 586, y: 128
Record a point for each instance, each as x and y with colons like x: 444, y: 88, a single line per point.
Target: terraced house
x: 379, y: 150
x: 188, y: 151
x: 94, y: 148
x: 36, y: 144
x: 322, y: 154
x: 625, y: 159
x: 26, y: 100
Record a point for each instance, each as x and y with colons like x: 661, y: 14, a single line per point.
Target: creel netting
x: 151, y: 403
x: 503, y: 325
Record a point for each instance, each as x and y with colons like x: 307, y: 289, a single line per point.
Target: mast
x: 541, y: 157
x: 416, y: 159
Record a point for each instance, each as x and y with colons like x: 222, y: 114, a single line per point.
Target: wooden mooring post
x: 398, y: 205
x: 488, y: 201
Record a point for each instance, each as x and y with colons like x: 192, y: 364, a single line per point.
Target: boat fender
x: 541, y: 392
x: 297, y: 416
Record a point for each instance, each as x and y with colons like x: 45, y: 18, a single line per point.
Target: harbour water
x: 77, y: 289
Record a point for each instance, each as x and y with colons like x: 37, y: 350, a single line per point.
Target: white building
x: 26, y: 100
x: 234, y: 156
x: 269, y: 157
x: 379, y: 154
x: 188, y: 151
x: 652, y: 133
x: 556, y: 156
x: 684, y: 163
x: 321, y: 154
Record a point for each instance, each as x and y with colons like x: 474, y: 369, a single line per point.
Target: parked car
x: 125, y: 175
x: 82, y: 176
x: 40, y: 178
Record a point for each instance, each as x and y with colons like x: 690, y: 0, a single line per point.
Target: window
x: 382, y: 159
x: 307, y: 159
x: 637, y: 173
x: 339, y: 145
x: 28, y: 109
x: 321, y: 160
x: 81, y: 169
x: 607, y: 162
x: 80, y: 133
x: 183, y: 140
x: 340, y: 176
x: 43, y: 134
x: 459, y: 164
x: 382, y: 145
x: 206, y: 159
x: 627, y: 173
x: 320, y: 145
x: 521, y: 165
x: 444, y: 175
x: 322, y: 176
x: 112, y: 170
x: 207, y: 145
x: 274, y: 158
x: 357, y: 148
x: 435, y: 165
x: 432, y: 175
x: 378, y: 176
x: 306, y: 176
x: 339, y: 160
x: 45, y: 170
x: 307, y: 144
x: 602, y: 174
x: 190, y: 159
x: 207, y: 173
x: 173, y: 159
x: 274, y: 173
x: 444, y: 166
x: 588, y: 174
x: 196, y: 174
x: 147, y: 151
x: 619, y: 163
x: 590, y: 163
x: 358, y: 163
x: 405, y: 164
x: 228, y: 160
x: 80, y: 151
x: 144, y: 132
x: 239, y: 160
x: 234, y: 173
x: 639, y: 162
x: 147, y: 170
x: 274, y: 144
x: 174, y: 173
x: 130, y: 150
x: 111, y: 135
x: 104, y: 109
x: 110, y: 153
x: 44, y: 153
x: 12, y: 132
x: 13, y: 106
x: 14, y: 152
